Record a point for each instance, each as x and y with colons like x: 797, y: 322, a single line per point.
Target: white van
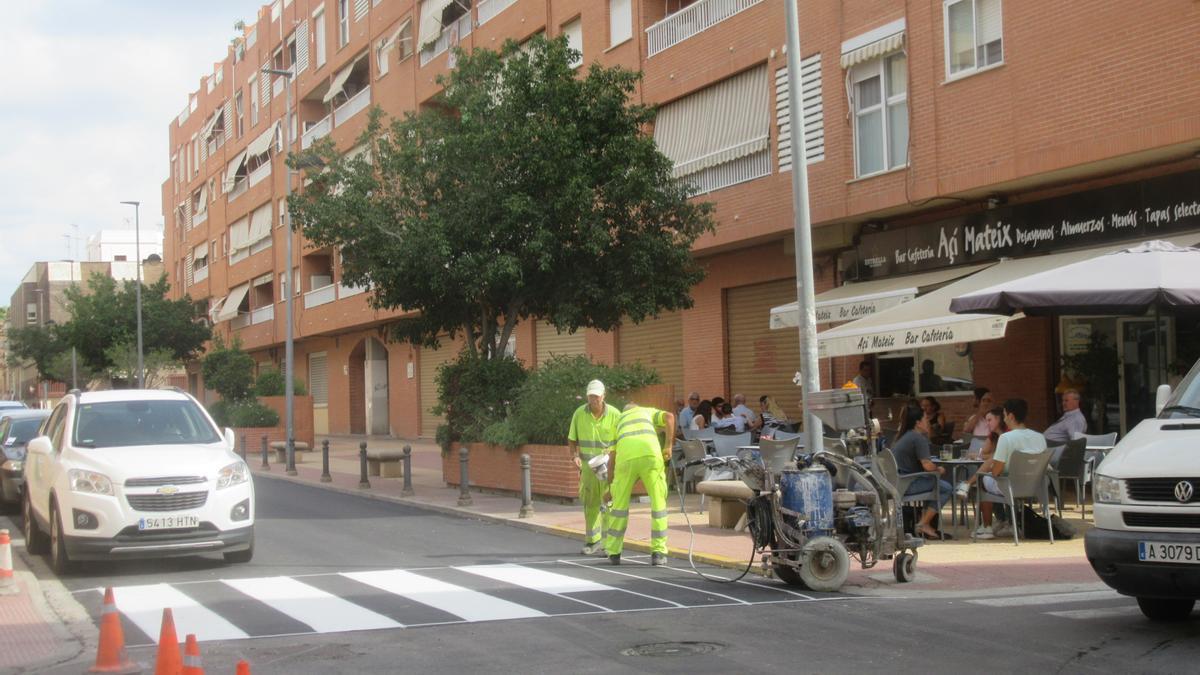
x: 1147, y: 491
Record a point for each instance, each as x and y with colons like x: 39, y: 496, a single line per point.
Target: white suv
x: 1146, y: 542
x: 135, y: 474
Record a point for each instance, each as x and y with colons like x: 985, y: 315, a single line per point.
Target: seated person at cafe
x: 772, y: 416
x: 912, y: 452
x: 739, y: 408
x: 726, y: 422
x: 976, y: 425
x: 684, y: 417
x: 930, y: 381
x: 1071, y: 423
x: 936, y: 420
x: 996, y: 427
x: 1018, y: 438
x: 700, y: 418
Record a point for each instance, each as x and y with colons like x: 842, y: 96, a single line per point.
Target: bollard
x: 464, y: 483
x: 245, y: 448
x: 362, y: 466
x: 526, y: 489
x: 265, y: 453
x: 291, y: 458
x: 408, y: 488
x: 325, y: 477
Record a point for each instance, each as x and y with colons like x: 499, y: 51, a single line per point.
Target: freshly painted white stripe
x: 1103, y: 613
x: 1046, y: 599
x: 464, y: 602
x: 325, y: 612
x: 143, y: 605
x: 540, y: 580
x: 667, y: 583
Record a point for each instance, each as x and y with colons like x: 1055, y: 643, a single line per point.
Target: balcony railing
x: 347, y: 291
x: 239, y: 321
x: 260, y: 173
x: 320, y: 296
x: 238, y: 188
x: 199, y: 275
x: 199, y: 218
x: 277, y: 87
x: 316, y: 131
x: 262, y: 314
x: 691, y: 20
x: 352, y: 107
x: 430, y: 51
x: 490, y: 8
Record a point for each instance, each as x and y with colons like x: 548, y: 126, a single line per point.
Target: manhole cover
x: 672, y: 649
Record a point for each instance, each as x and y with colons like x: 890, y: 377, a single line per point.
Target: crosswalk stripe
x: 1046, y: 599
x: 324, y: 612
x: 663, y: 582
x: 541, y: 580
x: 143, y: 605
x: 1098, y: 613
x: 463, y: 602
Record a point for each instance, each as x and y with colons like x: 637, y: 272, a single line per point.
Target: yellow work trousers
x: 652, y: 474
x: 591, y: 493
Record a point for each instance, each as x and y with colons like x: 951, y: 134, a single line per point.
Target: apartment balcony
x: 347, y: 291
x: 259, y: 174
x: 262, y: 315
x: 490, y: 8
x: 462, y: 26
x: 316, y: 131
x: 199, y: 218
x: 691, y: 20
x: 354, y: 105
x: 320, y: 296
x: 238, y: 189
x: 277, y: 87
x: 200, y: 275
x: 240, y: 321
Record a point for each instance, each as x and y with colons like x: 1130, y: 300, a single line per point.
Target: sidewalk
x: 952, y: 567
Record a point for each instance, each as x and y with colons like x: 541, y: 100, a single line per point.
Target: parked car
x: 17, y: 427
x: 10, y: 405
x: 135, y: 474
x: 1147, y: 493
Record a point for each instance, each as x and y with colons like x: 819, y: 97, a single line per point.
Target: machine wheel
x: 787, y: 574
x: 904, y: 566
x: 1166, y: 609
x: 60, y: 562
x: 36, y: 541
x: 826, y: 564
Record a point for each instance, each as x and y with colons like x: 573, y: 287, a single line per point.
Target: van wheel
x: 1166, y: 609
x: 36, y: 541
x: 59, y: 561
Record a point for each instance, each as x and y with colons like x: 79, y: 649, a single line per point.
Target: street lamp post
x: 288, y: 280
x: 137, y: 253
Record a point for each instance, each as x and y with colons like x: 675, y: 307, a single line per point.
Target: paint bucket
x: 809, y: 492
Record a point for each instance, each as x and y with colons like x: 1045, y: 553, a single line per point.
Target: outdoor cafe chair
x: 704, y: 434
x: 692, y: 449
x: 885, y: 464
x: 777, y: 454
x: 1026, y: 479
x: 1098, y: 446
x: 1070, y: 467
x: 727, y: 445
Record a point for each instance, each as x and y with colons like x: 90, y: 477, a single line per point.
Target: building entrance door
x: 1142, y: 364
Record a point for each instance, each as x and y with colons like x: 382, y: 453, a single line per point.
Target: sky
x: 90, y: 88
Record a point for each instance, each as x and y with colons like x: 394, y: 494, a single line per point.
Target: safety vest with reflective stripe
x: 594, y: 436
x: 636, y: 433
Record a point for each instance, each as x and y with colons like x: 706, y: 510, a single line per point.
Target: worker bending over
x: 638, y: 455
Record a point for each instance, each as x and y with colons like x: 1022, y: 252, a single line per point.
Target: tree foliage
x: 228, y: 370
x: 528, y: 190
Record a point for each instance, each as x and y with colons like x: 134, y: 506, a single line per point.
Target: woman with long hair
x: 703, y: 417
x: 913, y: 454
x: 995, y: 425
x: 976, y: 425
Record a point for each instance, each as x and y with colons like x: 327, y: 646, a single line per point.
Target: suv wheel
x: 35, y: 540
x: 1166, y: 609
x: 59, y: 561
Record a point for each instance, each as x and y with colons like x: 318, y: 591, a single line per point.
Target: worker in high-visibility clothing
x: 593, y: 431
x: 639, y: 455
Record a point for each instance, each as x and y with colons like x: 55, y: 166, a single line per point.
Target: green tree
x: 228, y: 370
x: 44, y: 346
x: 528, y: 190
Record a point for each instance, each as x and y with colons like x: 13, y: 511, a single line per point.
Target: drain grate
x: 673, y: 649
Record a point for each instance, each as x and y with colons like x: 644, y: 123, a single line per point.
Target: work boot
x: 588, y: 549
x: 658, y: 559
x: 615, y: 558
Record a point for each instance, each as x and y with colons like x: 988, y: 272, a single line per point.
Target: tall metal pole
x: 288, y: 345
x: 809, y: 366
x: 137, y: 253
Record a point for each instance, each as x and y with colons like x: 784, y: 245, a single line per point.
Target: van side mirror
x: 1160, y: 397
x: 230, y: 440
x: 40, y: 446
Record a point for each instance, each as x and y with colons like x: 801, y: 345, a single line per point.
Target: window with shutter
x: 810, y: 104
x: 974, y: 35
x: 302, y: 47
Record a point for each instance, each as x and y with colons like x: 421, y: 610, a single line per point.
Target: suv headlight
x: 1108, y: 489
x: 89, y: 481
x: 232, y: 475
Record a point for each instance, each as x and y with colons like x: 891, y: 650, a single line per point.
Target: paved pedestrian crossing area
x: 273, y: 606
x: 1078, y: 605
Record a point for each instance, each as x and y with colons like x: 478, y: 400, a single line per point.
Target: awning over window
x: 431, y: 19
x: 229, y: 309
x: 339, y: 80
x: 927, y: 321
x: 235, y: 167
x: 873, y: 44
x: 212, y: 123
x: 858, y: 300
x: 260, y: 224
x: 200, y: 252
x: 262, y: 144
x: 202, y: 198
x: 239, y: 235
x: 727, y: 121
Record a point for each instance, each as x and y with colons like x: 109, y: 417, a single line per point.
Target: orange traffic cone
x: 243, y: 668
x: 110, y: 654
x: 167, y: 662
x: 191, y: 657
x: 7, y: 583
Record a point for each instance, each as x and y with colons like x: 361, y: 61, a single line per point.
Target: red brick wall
x: 1021, y: 366
x: 552, y: 473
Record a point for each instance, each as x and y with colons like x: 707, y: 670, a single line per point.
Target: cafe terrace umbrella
x: 1153, y: 276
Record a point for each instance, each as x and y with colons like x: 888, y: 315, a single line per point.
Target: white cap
x: 595, y: 388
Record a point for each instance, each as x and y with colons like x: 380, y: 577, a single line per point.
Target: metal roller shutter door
x: 761, y: 360
x: 549, y: 341
x: 658, y: 344
x: 430, y: 360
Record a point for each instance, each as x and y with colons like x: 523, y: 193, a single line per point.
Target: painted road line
x: 1099, y: 613
x: 1046, y: 599
x: 143, y: 605
x: 463, y: 602
x: 664, y: 583
x: 540, y: 580
x: 324, y: 612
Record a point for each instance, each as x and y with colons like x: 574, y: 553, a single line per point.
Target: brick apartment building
x: 951, y: 144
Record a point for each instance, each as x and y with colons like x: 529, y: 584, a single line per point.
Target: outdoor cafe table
x: 966, y: 467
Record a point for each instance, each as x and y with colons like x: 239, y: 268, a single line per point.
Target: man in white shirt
x: 1071, y: 423
x: 863, y: 379
x: 1018, y: 438
x: 688, y: 411
x: 739, y: 408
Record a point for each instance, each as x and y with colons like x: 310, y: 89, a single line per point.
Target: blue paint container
x: 809, y: 492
